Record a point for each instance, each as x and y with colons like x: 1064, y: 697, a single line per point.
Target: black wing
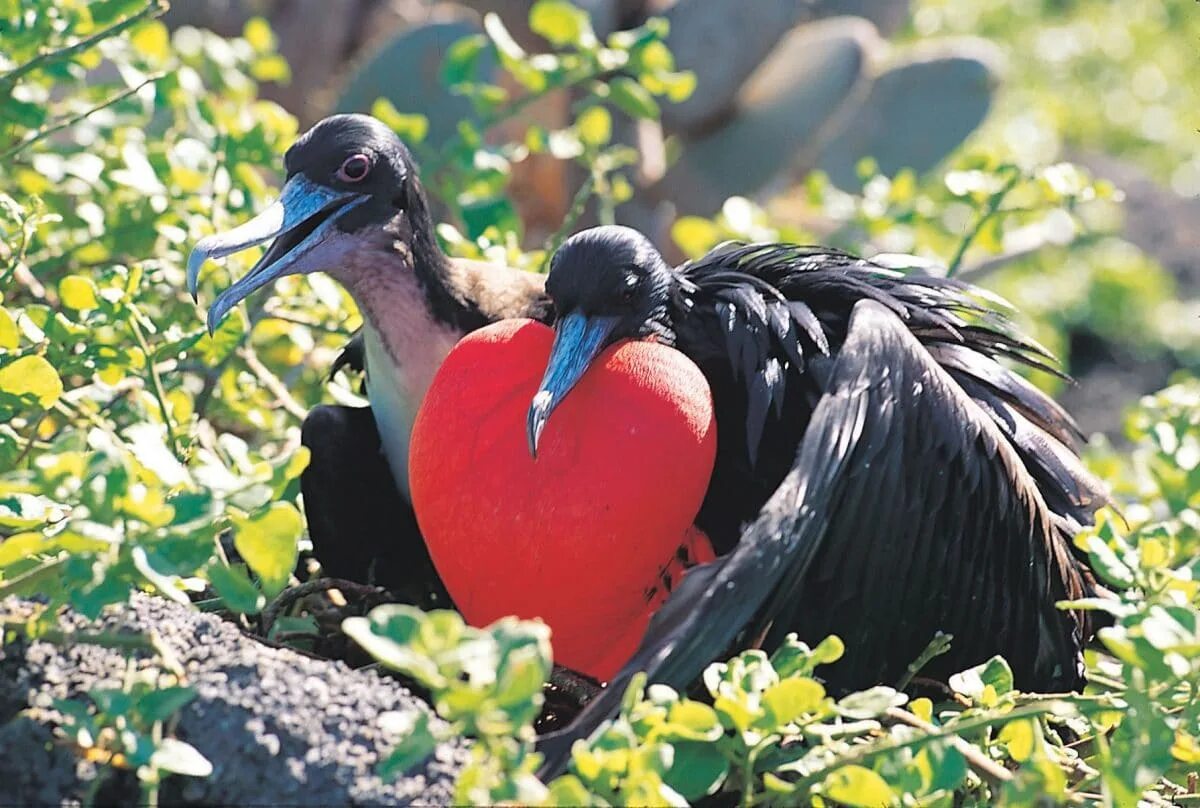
x: 908, y: 509
x: 362, y: 528
x: 352, y: 356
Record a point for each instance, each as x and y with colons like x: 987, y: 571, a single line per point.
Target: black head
x: 348, y: 177
x: 607, y: 284
x: 613, y: 273
x: 354, y: 154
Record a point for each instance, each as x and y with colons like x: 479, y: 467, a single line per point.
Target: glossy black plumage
x: 361, y: 528
x: 899, y: 480
x: 352, y: 205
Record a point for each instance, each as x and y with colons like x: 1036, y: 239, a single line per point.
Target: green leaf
x: 632, y: 98
x: 870, y: 703
x: 941, y: 767
x: 257, y: 32
x: 22, y: 546
x: 1019, y: 737
x: 385, y: 635
x: 411, y: 128
x: 236, y: 589
x: 859, y: 787
x: 974, y: 681
x: 1106, y: 562
x: 690, y: 721
x: 215, y: 348
x: 31, y: 377
x: 567, y: 791
x: 78, y: 292
x: 461, y: 59
x: 595, y: 126
x: 561, y: 23
x: 699, y: 769
x: 269, y: 543
x: 9, y: 335
x: 152, y: 40
x: 997, y: 673
x: 829, y: 650
x: 163, y: 703
x: 792, y: 698
x: 415, y: 746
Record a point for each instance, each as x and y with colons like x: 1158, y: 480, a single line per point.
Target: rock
x: 280, y: 743
x: 723, y: 42
x: 781, y: 112
x: 917, y: 112
x: 888, y: 16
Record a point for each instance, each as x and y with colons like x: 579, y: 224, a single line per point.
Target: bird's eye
x: 354, y: 168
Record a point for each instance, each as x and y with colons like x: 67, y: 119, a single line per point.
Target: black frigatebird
x: 352, y: 206
x: 898, y: 480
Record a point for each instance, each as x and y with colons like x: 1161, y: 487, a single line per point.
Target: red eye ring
x: 354, y: 168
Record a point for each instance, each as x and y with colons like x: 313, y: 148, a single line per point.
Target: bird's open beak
x: 302, y: 217
x: 578, y: 340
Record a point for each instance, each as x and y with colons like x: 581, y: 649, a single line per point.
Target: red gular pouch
x: 583, y: 536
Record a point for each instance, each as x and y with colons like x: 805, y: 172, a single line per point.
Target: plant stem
x: 154, y: 8
x: 939, y: 645
x: 984, y: 766
x: 993, y: 206
x: 30, y: 580
x: 271, y: 382
x: 105, y: 639
x: 578, y: 205
x: 47, y: 131
x: 863, y: 755
x: 156, y: 386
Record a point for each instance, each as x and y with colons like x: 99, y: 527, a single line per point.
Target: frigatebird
x: 897, y: 478
x: 352, y: 206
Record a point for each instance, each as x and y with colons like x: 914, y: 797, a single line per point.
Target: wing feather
x: 897, y: 467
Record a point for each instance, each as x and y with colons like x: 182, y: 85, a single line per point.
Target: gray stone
x: 917, y: 112
x: 276, y: 745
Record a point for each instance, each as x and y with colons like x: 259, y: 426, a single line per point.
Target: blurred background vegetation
x: 1043, y: 149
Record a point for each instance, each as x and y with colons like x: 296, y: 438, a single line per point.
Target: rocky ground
x: 278, y: 727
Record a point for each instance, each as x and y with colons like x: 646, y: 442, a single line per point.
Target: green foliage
x: 131, y: 442
x: 768, y: 732
x: 486, y: 684
x: 120, y: 461
x: 470, y: 174
x: 1099, y: 75
x: 124, y: 727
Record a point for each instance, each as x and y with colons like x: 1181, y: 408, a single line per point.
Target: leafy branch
x: 153, y: 9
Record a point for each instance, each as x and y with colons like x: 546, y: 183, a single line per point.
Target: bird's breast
x: 391, y: 404
x: 588, y: 536
x: 397, y: 378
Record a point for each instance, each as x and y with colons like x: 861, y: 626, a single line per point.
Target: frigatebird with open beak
x: 897, y: 479
x: 352, y: 206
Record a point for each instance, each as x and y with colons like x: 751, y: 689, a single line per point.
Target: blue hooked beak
x: 302, y: 217
x: 578, y: 340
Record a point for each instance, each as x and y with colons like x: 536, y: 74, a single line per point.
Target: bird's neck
x: 405, y: 338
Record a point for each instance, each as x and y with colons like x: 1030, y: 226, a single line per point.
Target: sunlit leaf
x: 632, y: 98
x: 31, y: 376
x: 561, y: 23
x: 858, y: 786
x: 78, y: 292
x: 268, y: 541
